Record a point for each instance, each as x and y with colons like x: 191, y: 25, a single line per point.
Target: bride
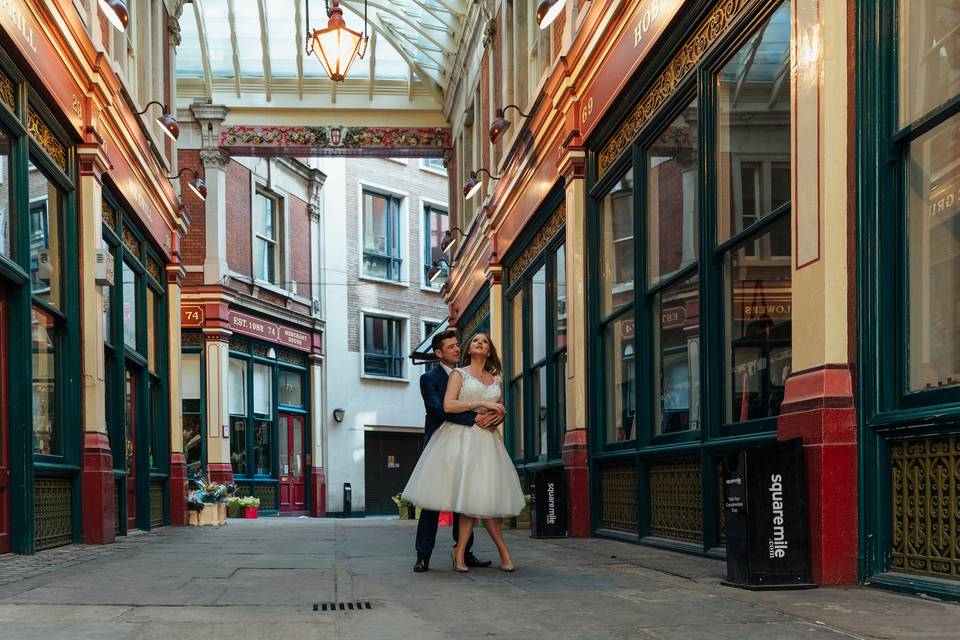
x: 467, y: 470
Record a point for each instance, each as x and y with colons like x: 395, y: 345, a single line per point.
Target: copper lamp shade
x: 115, y: 11
x: 547, y: 12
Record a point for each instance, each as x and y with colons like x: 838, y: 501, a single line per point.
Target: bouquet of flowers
x: 209, y: 493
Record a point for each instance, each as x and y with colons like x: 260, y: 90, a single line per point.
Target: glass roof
x: 410, y: 40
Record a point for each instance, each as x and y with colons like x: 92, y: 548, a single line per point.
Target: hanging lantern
x: 336, y: 47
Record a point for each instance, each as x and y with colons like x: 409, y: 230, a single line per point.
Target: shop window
x: 266, y: 235
x: 929, y: 64
x: 616, y: 260
x: 46, y: 430
x: 130, y: 419
x: 151, y: 331
x: 45, y: 242
x: 291, y: 388
x: 753, y: 130
x: 436, y: 222
x: 676, y: 351
x: 758, y: 310
x: 238, y: 415
x: 191, y: 382
x: 619, y: 381
x: 5, y: 215
x: 130, y: 305
x: 381, y: 236
x: 238, y: 387
x: 108, y: 314
x: 933, y: 214
x: 238, y: 445
x: 537, y: 355
x: 672, y: 206
x: 263, y: 417
x: 382, y: 346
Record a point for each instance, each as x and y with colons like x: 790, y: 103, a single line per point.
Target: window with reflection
x: 676, y: 352
x: 266, y: 226
x: 758, y: 299
x: 47, y: 436
x: 929, y: 64
x: 130, y: 304
x: 290, y: 384
x: 46, y: 218
x: 6, y: 248
x: 237, y: 404
x: 616, y: 246
x: 191, y: 381
x: 382, y: 251
x: 619, y: 382
x: 263, y: 417
x: 753, y: 130
x: 538, y: 345
x: 436, y: 222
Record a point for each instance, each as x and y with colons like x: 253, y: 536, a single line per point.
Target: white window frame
x: 426, y: 167
x: 404, y: 320
x: 423, y: 336
x: 279, y: 217
x: 403, y: 239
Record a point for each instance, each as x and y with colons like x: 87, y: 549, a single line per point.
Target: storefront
x: 690, y: 196
x: 909, y: 293
x: 88, y: 231
x: 267, y: 397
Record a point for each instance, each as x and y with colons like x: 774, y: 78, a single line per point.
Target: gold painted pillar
x: 575, y: 457
x: 818, y: 403
x: 97, y: 480
x: 178, y: 461
x: 216, y: 350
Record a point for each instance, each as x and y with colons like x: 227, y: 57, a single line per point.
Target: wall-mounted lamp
x: 338, y: 414
x: 449, y: 239
x: 438, y: 268
x: 197, y: 185
x: 501, y: 124
x: 472, y: 185
x: 165, y: 120
x: 547, y: 12
x: 116, y: 13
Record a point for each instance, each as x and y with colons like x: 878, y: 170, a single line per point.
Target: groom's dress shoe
x: 472, y: 561
x: 423, y: 564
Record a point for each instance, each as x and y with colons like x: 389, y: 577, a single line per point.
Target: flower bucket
x: 250, y: 513
x: 446, y: 519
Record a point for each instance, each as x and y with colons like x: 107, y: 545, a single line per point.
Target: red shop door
x: 293, y: 494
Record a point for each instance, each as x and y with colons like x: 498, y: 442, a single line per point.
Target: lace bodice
x: 475, y: 390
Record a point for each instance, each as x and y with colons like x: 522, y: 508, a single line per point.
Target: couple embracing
x: 464, y: 467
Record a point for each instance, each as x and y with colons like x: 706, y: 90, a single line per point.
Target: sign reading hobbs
x: 765, y: 508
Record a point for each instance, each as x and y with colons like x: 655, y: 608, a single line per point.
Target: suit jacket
x: 433, y: 386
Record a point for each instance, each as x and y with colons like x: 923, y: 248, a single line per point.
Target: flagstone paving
x: 293, y: 578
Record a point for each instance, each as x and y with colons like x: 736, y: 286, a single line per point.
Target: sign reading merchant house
x: 269, y: 331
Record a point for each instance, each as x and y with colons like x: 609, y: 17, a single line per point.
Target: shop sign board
x: 19, y: 21
x: 270, y: 331
x: 191, y: 315
x: 645, y: 26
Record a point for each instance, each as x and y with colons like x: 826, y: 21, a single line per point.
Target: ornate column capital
x: 214, y: 158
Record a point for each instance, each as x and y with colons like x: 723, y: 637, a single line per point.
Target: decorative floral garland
x: 359, y: 138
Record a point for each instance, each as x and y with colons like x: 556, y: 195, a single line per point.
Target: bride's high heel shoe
x: 459, y: 568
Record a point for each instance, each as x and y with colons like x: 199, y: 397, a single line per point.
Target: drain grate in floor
x: 343, y: 606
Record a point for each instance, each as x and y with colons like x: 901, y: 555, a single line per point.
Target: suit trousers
x: 427, y: 532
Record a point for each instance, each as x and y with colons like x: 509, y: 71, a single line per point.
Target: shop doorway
x: 389, y: 461
x: 293, y: 444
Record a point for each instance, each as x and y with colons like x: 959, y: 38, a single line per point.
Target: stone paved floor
x: 262, y: 578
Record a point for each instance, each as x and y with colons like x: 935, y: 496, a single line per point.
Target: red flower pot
x: 250, y: 512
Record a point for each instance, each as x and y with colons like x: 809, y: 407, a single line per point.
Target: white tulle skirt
x: 466, y: 470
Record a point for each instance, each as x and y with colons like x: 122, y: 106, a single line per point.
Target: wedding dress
x: 467, y: 469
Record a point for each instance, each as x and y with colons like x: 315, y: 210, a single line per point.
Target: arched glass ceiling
x: 257, y: 46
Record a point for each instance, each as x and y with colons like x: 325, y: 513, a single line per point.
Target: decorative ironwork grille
x: 721, y: 511
x: 191, y: 339
x: 130, y: 242
x: 676, y: 510
x: 268, y: 496
x: 46, y: 139
x: 261, y: 351
x: 557, y: 221
x: 7, y: 91
x: 109, y: 216
x: 156, y: 504
x: 240, y: 345
x: 116, y: 507
x: 154, y: 269
x: 290, y: 358
x: 926, y: 506
x: 618, y: 486
x: 53, y: 515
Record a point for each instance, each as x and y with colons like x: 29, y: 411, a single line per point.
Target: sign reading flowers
x: 356, y: 141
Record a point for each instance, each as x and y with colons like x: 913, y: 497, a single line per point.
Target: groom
x: 433, y: 386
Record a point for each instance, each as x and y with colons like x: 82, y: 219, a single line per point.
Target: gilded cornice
x: 544, y: 235
x: 707, y: 33
x: 40, y: 132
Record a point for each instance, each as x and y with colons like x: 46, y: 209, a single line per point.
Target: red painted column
x: 97, y: 489
x: 318, y: 493
x: 178, y: 489
x: 221, y: 472
x: 819, y: 407
x: 576, y: 466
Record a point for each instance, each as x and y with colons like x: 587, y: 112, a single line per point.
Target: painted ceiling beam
x: 431, y: 83
x: 232, y: 21
x: 373, y: 63
x: 204, y: 47
x: 265, y: 46
x: 299, y: 44
x: 447, y: 19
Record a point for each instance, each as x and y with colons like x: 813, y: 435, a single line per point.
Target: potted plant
x: 250, y: 507
x: 207, y: 503
x: 404, y: 507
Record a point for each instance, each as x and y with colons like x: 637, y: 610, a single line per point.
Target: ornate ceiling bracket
x: 335, y: 141
x: 708, y: 32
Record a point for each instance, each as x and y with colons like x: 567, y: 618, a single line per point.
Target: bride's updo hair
x: 492, y: 365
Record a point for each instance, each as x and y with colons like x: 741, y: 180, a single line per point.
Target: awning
x: 423, y: 353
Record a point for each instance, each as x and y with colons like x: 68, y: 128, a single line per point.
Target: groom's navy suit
x: 433, y: 386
